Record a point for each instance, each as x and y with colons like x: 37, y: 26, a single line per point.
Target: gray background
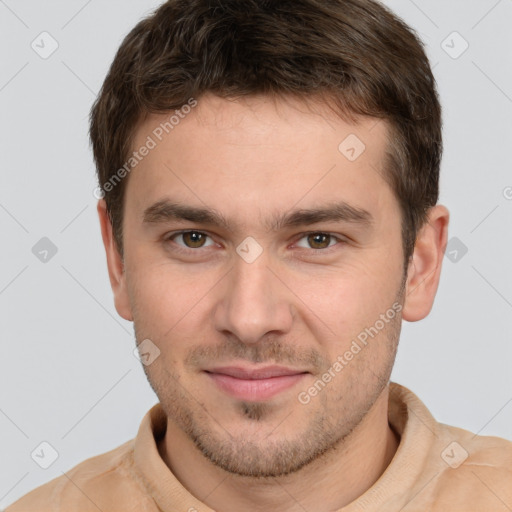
x: 69, y: 376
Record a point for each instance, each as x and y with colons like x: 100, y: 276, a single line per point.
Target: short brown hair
x: 355, y: 53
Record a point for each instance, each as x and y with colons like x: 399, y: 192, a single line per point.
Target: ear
x: 115, y: 264
x: 424, y: 268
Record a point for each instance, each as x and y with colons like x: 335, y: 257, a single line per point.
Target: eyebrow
x: 166, y: 210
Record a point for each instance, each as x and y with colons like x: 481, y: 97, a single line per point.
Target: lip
x: 255, y: 384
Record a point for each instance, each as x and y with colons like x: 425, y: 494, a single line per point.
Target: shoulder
x: 474, y: 470
x: 89, y: 486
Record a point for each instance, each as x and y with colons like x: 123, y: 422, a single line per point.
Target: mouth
x: 257, y: 383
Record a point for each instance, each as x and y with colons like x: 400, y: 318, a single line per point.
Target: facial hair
x: 325, y: 427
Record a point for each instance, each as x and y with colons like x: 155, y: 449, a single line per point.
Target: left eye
x: 191, y: 239
x: 318, y: 240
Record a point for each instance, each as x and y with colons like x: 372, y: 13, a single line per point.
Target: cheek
x: 348, y: 299
x: 167, y: 298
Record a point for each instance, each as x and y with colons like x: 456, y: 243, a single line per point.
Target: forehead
x: 256, y: 154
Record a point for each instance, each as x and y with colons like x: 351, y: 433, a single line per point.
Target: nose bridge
x: 253, y: 302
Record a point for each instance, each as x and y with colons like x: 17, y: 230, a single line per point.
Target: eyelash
x: 189, y: 250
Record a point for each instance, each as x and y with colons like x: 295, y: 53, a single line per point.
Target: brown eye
x: 191, y: 239
x: 194, y: 239
x: 319, y: 240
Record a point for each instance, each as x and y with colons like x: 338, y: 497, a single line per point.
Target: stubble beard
x: 246, y: 455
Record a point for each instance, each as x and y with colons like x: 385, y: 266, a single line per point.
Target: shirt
x: 436, y: 468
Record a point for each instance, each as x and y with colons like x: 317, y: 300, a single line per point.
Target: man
x: 270, y: 179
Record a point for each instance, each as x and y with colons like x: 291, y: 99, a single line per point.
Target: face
x: 258, y: 252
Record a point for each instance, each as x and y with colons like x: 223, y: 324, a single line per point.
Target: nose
x: 254, y: 302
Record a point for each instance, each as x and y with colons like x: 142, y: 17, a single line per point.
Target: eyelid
x: 169, y: 237
x: 340, y: 239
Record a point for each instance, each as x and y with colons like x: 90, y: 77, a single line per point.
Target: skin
x: 299, y: 304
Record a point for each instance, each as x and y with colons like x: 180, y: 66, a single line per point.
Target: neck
x: 330, y: 482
